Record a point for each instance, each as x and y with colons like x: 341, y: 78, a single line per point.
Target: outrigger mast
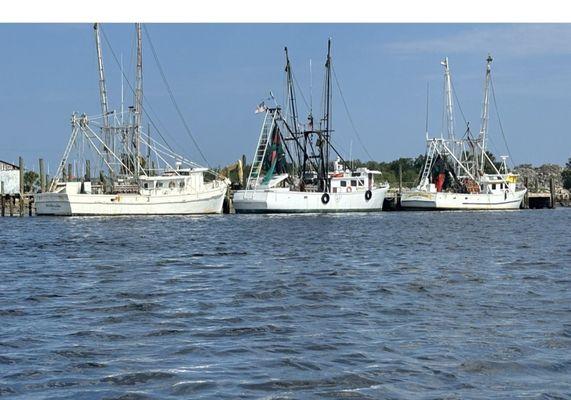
x: 485, y: 113
x: 108, y: 145
x: 138, y: 100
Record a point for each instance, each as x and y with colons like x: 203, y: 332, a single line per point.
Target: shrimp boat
x: 291, y: 170
x: 137, y: 175
x: 458, y: 173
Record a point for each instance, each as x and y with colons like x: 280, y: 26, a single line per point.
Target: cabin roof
x: 12, y: 166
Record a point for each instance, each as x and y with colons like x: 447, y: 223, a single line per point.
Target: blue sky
x: 220, y: 72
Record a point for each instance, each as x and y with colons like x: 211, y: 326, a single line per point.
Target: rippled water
x: 390, y: 305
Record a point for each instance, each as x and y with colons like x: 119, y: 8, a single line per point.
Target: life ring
x: 325, y: 198
x: 368, y: 195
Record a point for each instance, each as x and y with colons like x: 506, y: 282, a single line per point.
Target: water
x: 390, y: 305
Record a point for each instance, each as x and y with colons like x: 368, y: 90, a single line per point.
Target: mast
x: 485, y: 112
x: 325, y: 140
x: 103, y: 94
x: 293, y: 106
x: 138, y: 99
x: 449, y: 103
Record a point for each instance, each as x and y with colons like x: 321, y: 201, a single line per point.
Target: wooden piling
x: 400, y: 178
x: 2, y: 200
x: 87, y: 170
x: 11, y: 203
x: 69, y: 172
x: 552, y: 193
x: 526, y: 196
x: 42, y: 176
x: 30, y: 206
x: 244, y: 177
x: 21, y: 202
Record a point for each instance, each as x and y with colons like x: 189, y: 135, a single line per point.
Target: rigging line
x: 500, y: 121
x: 171, y: 95
x: 133, y: 91
x: 458, y: 102
x: 349, y: 116
x: 300, y: 91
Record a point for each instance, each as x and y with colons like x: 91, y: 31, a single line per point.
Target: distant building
x: 10, y: 175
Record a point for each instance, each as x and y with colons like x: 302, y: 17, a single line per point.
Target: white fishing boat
x: 137, y: 175
x: 458, y: 173
x: 291, y: 170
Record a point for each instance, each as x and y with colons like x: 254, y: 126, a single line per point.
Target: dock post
x: 11, y: 203
x: 400, y: 178
x: 42, y: 176
x: 69, y: 172
x: 87, y: 170
x: 21, y: 202
x: 244, y: 177
x: 30, y: 206
x: 552, y: 193
x: 397, y: 202
x: 2, y: 200
x: 526, y: 196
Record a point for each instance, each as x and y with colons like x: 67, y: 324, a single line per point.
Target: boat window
x: 181, y: 184
x: 493, y: 186
x: 343, y: 183
x: 159, y: 184
x: 361, y: 183
x: 353, y: 183
x: 146, y: 185
x: 356, y: 174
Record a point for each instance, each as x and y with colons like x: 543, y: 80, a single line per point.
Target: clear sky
x: 220, y: 72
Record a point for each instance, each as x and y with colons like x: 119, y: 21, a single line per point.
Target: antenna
x: 310, y: 89
x: 122, y: 91
x: 427, y: 97
x: 350, y: 153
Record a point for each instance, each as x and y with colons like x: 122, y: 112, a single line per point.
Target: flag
x: 261, y: 108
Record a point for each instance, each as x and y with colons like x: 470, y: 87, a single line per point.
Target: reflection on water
x: 389, y: 305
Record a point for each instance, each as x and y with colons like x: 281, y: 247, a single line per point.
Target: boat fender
x: 349, y: 189
x: 368, y: 195
x: 325, y: 198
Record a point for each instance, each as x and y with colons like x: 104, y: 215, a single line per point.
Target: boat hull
x: 273, y: 201
x: 64, y: 204
x: 421, y: 200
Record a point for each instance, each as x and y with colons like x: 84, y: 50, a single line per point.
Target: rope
x: 458, y: 102
x: 171, y: 95
x: 500, y: 121
x: 349, y: 116
x: 133, y: 90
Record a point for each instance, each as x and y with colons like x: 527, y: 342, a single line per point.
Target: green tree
x: 31, y: 181
x: 566, y: 175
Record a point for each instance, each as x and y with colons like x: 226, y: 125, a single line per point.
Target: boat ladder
x: 428, y: 164
x: 258, y: 159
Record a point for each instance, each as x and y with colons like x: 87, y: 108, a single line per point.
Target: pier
x: 16, y: 200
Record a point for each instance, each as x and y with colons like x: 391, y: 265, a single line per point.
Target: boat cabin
x: 345, y: 181
x: 182, y: 181
x: 497, y: 184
